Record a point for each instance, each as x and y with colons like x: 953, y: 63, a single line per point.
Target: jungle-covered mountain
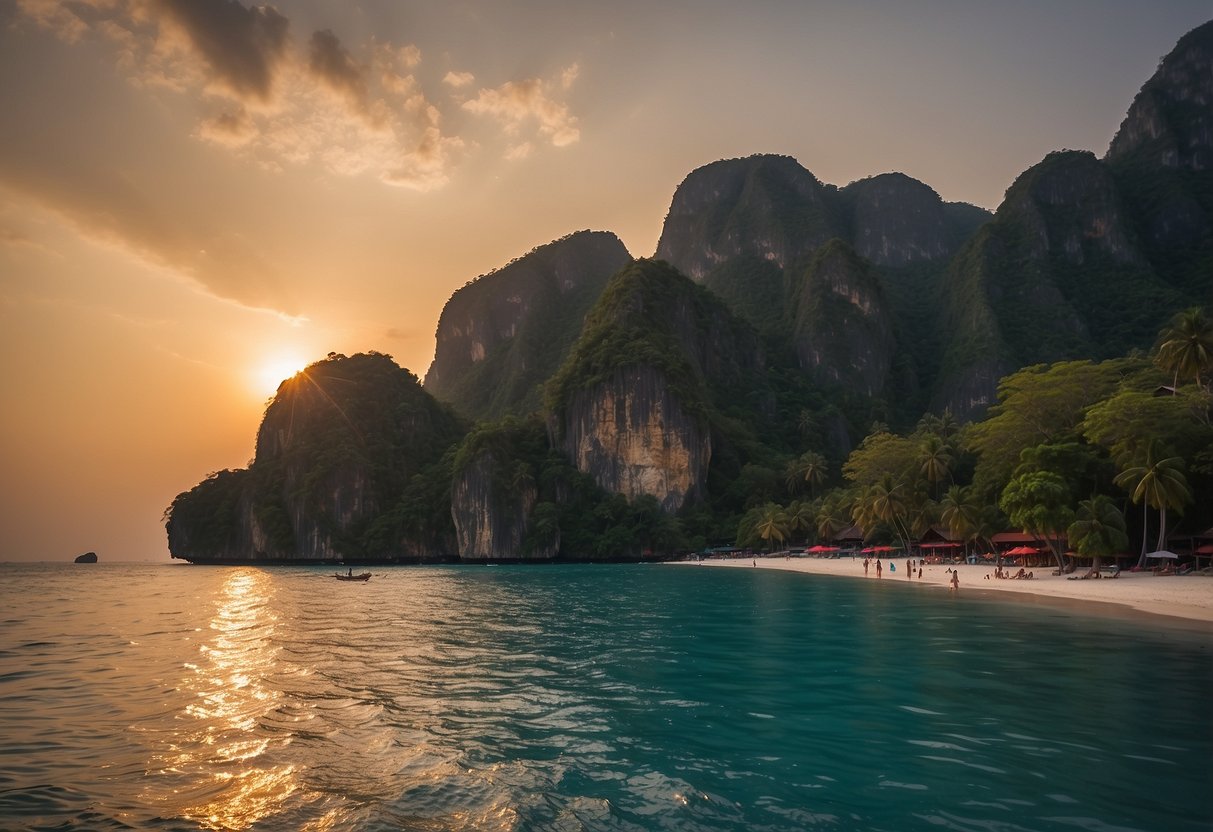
x: 620, y: 407
x: 501, y: 336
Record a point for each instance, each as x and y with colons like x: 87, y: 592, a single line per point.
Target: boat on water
x: 365, y: 576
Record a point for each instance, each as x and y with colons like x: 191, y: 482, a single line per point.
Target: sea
x: 586, y: 697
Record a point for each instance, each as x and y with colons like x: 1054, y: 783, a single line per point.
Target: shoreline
x: 1175, y: 599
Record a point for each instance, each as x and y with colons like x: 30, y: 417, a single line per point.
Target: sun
x: 274, y: 370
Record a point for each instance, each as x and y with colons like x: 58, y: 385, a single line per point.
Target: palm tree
x: 801, y: 515
x: 934, y: 459
x: 1158, y: 483
x: 810, y: 467
x: 1185, y: 347
x: 832, y: 517
x: 862, y: 513
x: 772, y: 524
x: 887, y: 503
x: 1098, y: 529
x: 959, y: 513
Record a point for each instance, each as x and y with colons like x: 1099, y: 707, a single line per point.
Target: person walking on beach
x: 865, y: 567
x: 909, y: 569
x: 955, y: 580
x: 879, y: 568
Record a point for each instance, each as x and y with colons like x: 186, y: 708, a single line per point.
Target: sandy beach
x: 1188, y: 597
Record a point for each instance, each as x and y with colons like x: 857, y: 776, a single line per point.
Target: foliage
x: 1185, y: 347
x: 1159, y: 482
x: 1098, y: 529
x: 1039, y: 503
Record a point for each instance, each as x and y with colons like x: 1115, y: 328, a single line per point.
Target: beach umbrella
x: 1163, y: 553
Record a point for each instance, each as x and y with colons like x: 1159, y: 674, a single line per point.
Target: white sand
x: 1183, y: 596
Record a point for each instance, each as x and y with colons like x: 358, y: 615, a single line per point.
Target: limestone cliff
x: 341, y: 470
x: 491, y: 504
x: 632, y: 405
x: 632, y: 434
x: 842, y: 330
x: 501, y: 336
x: 1170, y: 122
x: 764, y: 207
x: 898, y: 221
x: 1162, y: 157
x: 1060, y: 273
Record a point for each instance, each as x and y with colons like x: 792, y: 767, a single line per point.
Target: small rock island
x: 87, y: 557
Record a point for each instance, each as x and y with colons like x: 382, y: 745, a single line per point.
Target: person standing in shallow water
x: 955, y: 580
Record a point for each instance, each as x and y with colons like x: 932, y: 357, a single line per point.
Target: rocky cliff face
x: 898, y: 221
x: 631, y: 433
x: 748, y: 229
x: 338, y: 451
x: 763, y: 207
x: 1162, y: 156
x: 843, y: 331
x: 501, y: 336
x: 1068, y: 207
x: 1170, y: 123
x: 1060, y: 273
x: 631, y: 406
x: 492, y: 508
x: 772, y: 210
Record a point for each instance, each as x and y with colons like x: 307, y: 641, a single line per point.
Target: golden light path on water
x: 215, y: 758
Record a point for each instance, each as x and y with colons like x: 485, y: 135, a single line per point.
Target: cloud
x: 281, y: 102
x: 232, y: 128
x: 458, y: 79
x: 516, y: 103
x: 243, y: 47
x: 332, y: 65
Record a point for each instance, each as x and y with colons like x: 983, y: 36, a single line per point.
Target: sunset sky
x: 197, y: 197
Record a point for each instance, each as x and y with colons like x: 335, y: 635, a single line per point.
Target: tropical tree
x: 801, y: 516
x: 1038, y: 405
x: 810, y: 468
x: 959, y: 512
x: 772, y: 525
x: 887, y: 503
x: 1157, y: 482
x: 1038, y: 502
x: 833, y: 515
x: 1098, y: 530
x: 934, y: 459
x: 1185, y: 347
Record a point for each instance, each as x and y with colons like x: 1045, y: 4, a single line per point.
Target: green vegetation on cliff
x: 353, y: 460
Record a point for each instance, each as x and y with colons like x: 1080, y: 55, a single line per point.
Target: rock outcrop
x: 631, y: 407
x: 87, y: 557
x: 898, y: 221
x: 491, y: 511
x: 345, y: 460
x: 842, y: 328
x: 502, y: 336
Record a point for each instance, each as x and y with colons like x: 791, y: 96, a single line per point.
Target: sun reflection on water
x: 219, y: 771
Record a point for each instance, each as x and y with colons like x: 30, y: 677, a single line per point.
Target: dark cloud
x: 332, y: 64
x: 243, y: 46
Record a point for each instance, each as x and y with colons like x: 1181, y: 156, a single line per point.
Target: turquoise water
x: 584, y: 697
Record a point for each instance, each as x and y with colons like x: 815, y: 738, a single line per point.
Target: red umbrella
x: 819, y: 549
x: 1020, y: 551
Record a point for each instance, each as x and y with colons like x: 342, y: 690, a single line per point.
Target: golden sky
x: 197, y: 197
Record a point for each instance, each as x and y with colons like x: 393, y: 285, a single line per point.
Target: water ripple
x: 571, y: 698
